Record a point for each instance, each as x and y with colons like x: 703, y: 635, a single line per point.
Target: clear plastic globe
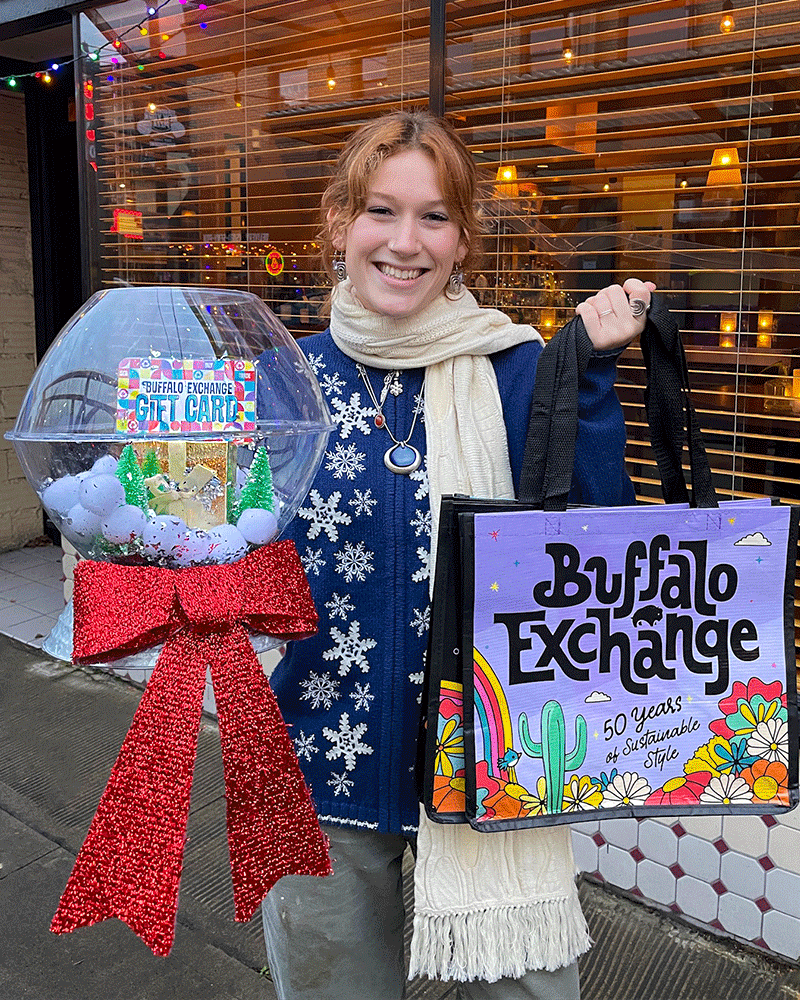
x: 160, y: 415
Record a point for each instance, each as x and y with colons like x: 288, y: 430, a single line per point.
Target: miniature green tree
x: 130, y: 475
x: 257, y: 490
x: 151, y: 465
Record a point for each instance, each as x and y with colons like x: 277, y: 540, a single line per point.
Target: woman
x: 431, y: 395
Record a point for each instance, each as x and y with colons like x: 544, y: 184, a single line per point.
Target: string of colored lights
x: 45, y: 75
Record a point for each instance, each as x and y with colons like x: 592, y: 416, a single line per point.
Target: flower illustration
x: 734, y: 754
x: 505, y: 806
x: 709, y: 757
x: 448, y: 793
x: 682, y: 791
x: 627, y: 789
x: 748, y: 705
x: 605, y: 779
x: 770, y: 740
x: 727, y: 789
x: 449, y: 746
x: 536, y: 802
x: 769, y: 781
x: 581, y: 794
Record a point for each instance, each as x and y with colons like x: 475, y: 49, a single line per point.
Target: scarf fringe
x: 499, y: 942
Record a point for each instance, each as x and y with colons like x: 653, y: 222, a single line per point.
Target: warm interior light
x: 764, y: 340
x: 727, y: 24
x: 606, y: 186
x: 724, y: 182
x: 151, y: 106
x: 684, y: 182
x: 237, y: 98
x: 507, y: 186
x: 727, y: 325
x: 765, y: 319
x: 331, y: 77
x: 548, y: 318
x: 567, y: 52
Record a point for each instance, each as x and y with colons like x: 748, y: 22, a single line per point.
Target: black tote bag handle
x: 550, y: 446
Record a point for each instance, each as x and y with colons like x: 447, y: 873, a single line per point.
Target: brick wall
x: 20, y: 513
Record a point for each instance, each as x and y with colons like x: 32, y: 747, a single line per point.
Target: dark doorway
x: 55, y: 219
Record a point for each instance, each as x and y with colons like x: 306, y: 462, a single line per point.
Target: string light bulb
x: 142, y: 29
x: 47, y: 78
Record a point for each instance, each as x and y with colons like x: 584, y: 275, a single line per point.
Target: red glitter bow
x: 130, y: 863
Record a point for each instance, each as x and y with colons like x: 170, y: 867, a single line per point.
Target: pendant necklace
x: 402, y: 458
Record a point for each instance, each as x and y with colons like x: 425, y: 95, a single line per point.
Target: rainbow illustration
x: 492, y: 719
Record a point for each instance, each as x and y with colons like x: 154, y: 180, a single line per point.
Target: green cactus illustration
x: 553, y: 750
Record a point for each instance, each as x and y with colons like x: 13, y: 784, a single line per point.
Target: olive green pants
x: 341, y: 937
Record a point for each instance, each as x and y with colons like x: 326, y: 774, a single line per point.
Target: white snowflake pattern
x: 350, y: 649
x: 424, y: 572
x: 321, y: 689
x: 340, y: 783
x: 421, y: 477
x: 305, y: 746
x: 363, y: 502
x: 419, y: 404
x: 354, y: 561
x: 323, y: 515
x: 416, y: 678
x: 332, y: 384
x: 362, y: 697
x: 346, y: 741
x: 312, y: 561
x: 396, y: 386
x: 421, y: 620
x: 352, y: 415
x: 339, y: 606
x: 421, y: 522
x: 316, y: 363
x: 345, y: 461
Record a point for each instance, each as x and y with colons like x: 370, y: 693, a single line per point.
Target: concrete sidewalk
x: 60, y: 730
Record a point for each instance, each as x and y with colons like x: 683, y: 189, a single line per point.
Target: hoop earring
x: 456, y: 278
x: 338, y: 264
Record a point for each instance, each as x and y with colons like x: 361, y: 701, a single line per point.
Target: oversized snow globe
x: 171, y: 426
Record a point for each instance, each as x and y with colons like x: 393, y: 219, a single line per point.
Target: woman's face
x: 400, y: 250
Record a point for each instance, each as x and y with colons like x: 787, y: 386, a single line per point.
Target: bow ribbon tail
x: 273, y: 829
x: 130, y: 863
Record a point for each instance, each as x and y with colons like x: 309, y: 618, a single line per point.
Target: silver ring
x: 606, y: 313
x: 639, y: 307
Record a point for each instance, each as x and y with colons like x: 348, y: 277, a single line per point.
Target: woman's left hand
x: 608, y: 317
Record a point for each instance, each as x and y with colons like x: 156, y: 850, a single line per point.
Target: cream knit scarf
x: 486, y: 905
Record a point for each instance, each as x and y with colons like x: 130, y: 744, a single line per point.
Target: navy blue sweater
x: 350, y: 694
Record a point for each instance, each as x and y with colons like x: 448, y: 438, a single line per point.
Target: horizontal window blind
x: 213, y: 128
x: 657, y: 140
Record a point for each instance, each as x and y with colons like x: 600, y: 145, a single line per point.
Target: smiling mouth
x: 401, y: 273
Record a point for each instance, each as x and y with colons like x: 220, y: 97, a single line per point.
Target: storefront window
x: 210, y: 128
x: 658, y: 140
